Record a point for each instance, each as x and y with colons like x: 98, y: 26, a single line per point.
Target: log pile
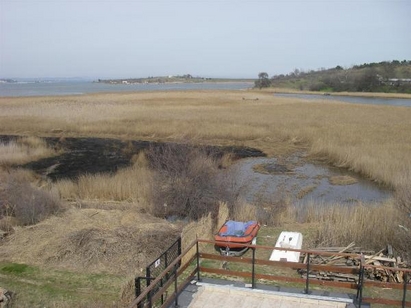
x: 380, y: 259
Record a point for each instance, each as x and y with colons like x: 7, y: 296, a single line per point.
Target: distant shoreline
x: 90, y: 87
x: 185, y: 79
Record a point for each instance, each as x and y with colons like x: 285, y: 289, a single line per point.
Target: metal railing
x: 193, y: 267
x: 154, y: 269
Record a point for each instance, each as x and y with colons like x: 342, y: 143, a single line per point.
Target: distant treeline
x: 394, y: 76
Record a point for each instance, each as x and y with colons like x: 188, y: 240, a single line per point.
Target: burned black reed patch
x: 81, y: 156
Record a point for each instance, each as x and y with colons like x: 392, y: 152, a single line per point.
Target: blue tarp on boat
x: 236, y: 228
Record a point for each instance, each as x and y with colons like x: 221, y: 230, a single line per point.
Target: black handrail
x: 360, y: 281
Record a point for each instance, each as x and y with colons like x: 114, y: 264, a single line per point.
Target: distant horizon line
x: 111, y: 78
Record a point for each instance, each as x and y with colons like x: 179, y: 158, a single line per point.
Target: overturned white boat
x: 293, y: 240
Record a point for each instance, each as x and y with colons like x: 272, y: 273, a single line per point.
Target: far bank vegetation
x: 387, y: 76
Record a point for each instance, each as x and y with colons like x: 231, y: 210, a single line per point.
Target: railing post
x: 253, y: 270
x: 137, y: 289
x: 179, y: 249
x: 198, y: 261
x: 360, y: 281
x: 175, y: 287
x: 162, y: 294
x: 148, y: 282
x: 307, y: 280
x: 404, y: 294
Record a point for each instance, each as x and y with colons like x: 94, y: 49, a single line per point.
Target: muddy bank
x: 102, y: 155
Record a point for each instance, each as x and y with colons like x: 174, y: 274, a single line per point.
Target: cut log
x: 399, y: 276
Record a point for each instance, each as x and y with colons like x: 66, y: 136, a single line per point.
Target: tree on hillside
x: 263, y: 81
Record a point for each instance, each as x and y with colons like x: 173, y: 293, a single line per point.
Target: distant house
x: 393, y: 81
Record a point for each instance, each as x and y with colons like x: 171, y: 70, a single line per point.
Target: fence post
x: 360, y: 281
x: 137, y: 289
x: 148, y: 282
x: 253, y: 270
x: 175, y: 287
x: 165, y: 260
x: 165, y: 277
x: 162, y: 294
x: 307, y: 280
x: 404, y: 294
x: 198, y: 261
x: 179, y: 249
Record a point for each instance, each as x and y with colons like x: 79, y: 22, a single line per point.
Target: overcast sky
x: 213, y: 38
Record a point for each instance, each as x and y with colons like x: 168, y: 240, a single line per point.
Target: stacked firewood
x: 380, y: 260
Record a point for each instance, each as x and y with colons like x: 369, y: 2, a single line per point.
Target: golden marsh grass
x: 129, y: 184
x: 369, y: 139
x: 24, y: 150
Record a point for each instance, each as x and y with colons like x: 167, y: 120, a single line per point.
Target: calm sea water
x: 83, y: 87
x: 351, y: 99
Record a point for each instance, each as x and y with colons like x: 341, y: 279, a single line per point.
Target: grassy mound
x: 91, y: 240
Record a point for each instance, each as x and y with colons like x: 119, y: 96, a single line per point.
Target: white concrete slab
x: 212, y: 295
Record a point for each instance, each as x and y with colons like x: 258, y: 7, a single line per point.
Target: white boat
x: 293, y: 240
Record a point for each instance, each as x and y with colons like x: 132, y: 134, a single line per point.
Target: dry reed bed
x: 130, y: 184
x: 354, y: 94
x: 24, y: 150
x: 372, y: 140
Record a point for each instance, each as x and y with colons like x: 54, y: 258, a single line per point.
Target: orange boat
x: 234, y: 234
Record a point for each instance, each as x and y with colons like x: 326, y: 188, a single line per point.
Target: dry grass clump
x: 204, y: 228
x: 305, y: 191
x: 342, y: 180
x: 186, y: 182
x: 7, y: 224
x: 23, y: 150
x: 371, y: 226
x: 243, y: 211
x: 403, y: 195
x: 273, y: 212
x: 27, y: 204
x: 223, y: 214
x: 128, y: 293
x: 92, y: 241
x: 129, y: 184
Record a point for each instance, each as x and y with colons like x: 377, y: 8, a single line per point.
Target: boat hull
x: 237, y: 239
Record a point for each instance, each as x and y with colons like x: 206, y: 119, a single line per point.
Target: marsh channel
x: 300, y: 181
x: 255, y: 176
